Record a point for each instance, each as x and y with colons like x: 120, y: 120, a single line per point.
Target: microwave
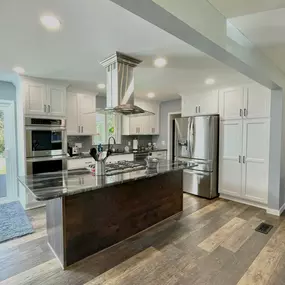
x: 45, y: 137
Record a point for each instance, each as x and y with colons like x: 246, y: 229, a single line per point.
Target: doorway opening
x: 171, y: 151
x: 8, y: 156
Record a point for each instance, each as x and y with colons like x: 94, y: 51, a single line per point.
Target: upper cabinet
x: 44, y: 100
x: 251, y: 101
x: 206, y: 103
x: 143, y: 125
x: 81, y: 116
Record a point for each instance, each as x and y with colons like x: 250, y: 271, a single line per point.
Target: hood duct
x: 120, y: 85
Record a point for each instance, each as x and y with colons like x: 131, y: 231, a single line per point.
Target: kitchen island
x: 87, y: 213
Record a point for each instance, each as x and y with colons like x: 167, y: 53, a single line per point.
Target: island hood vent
x: 120, y: 85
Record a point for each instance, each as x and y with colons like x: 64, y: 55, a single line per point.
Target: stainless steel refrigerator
x: 197, y: 141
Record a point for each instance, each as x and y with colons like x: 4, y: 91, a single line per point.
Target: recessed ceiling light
x: 101, y: 86
x: 150, y: 95
x: 50, y: 22
x: 19, y: 69
x: 160, y: 62
x: 210, y: 81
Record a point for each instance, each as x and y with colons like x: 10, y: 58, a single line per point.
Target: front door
x: 8, y: 156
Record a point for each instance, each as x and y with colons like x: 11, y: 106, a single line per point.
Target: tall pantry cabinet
x: 244, y: 142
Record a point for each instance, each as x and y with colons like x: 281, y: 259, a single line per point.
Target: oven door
x: 46, y: 164
x: 42, y: 141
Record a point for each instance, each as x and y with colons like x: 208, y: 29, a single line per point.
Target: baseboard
x: 247, y: 202
x: 276, y: 212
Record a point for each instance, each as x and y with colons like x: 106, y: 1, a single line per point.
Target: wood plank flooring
x: 210, y: 242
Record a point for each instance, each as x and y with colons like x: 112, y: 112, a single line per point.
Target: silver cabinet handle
x: 199, y: 109
x: 49, y: 108
x: 81, y: 129
x: 240, y: 112
x: 196, y: 109
x: 239, y: 158
x: 243, y: 159
x: 245, y: 112
x: 78, y: 129
x: 45, y: 108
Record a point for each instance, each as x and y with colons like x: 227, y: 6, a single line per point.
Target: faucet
x: 114, y: 141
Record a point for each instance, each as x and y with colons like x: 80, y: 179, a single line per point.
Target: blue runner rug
x: 13, y: 221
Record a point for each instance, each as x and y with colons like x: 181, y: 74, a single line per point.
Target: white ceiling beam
x: 200, y: 25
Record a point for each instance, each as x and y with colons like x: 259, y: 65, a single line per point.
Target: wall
x: 165, y: 108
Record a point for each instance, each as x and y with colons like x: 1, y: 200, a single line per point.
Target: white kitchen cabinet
x: 35, y: 98
x: 230, y: 157
x: 232, y: 102
x: 56, y: 96
x: 244, y: 154
x: 81, y: 114
x: 79, y: 163
x: 206, y: 103
x: 43, y: 100
x: 142, y: 125
x: 250, y: 101
x: 255, y: 159
x: 257, y: 101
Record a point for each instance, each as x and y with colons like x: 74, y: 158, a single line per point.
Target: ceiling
x: 261, y: 21
x: 92, y: 30
x: 235, y: 8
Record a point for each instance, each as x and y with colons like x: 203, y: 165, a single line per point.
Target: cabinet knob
x: 245, y: 112
x: 240, y: 112
x: 81, y: 129
x: 78, y: 129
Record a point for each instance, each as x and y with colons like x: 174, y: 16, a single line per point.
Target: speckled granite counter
x: 65, y: 183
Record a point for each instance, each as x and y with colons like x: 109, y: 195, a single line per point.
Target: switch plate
x: 79, y: 145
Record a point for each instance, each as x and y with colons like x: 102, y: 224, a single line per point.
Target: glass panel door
x: 8, y: 155
x: 3, y: 188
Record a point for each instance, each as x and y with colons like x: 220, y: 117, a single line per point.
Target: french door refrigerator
x: 197, y: 141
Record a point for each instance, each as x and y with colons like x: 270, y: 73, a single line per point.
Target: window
x: 107, y: 125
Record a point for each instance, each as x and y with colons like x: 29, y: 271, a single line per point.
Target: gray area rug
x: 13, y: 221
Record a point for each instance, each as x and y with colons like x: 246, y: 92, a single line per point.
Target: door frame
x: 10, y: 137
x: 169, y: 132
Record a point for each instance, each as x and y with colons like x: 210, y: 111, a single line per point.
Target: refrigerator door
x: 182, y: 137
x: 203, y: 137
x: 200, y: 183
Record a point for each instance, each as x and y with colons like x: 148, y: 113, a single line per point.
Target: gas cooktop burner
x: 122, y: 166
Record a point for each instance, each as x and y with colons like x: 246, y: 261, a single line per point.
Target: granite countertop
x: 70, y: 182
x: 80, y: 156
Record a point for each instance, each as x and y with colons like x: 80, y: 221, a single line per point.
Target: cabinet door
x: 232, y: 103
x: 57, y: 101
x: 72, y: 123
x: 230, y: 157
x: 153, y: 119
x: 190, y: 105
x: 35, y: 99
x: 255, y: 159
x: 209, y: 103
x: 257, y: 102
x: 126, y: 126
x: 87, y: 114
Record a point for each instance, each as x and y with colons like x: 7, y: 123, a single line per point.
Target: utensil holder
x: 100, y: 168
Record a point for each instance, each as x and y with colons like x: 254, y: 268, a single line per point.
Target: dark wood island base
x: 83, y: 224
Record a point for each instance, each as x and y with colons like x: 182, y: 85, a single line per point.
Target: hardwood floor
x: 211, y: 242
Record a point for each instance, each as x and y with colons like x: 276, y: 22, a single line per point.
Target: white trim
x: 276, y: 212
x: 240, y: 200
x: 168, y: 132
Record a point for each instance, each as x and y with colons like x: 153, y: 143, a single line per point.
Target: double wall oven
x: 46, y: 145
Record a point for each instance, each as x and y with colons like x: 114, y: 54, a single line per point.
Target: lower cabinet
x: 244, y: 159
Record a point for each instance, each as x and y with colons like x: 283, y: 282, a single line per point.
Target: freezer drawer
x: 201, y: 183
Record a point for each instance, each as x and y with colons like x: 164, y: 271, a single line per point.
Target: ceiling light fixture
x: 19, y: 69
x: 150, y: 95
x: 160, y: 62
x: 101, y: 86
x: 50, y: 22
x: 210, y: 81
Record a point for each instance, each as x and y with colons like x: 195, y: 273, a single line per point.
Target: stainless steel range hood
x: 120, y: 85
